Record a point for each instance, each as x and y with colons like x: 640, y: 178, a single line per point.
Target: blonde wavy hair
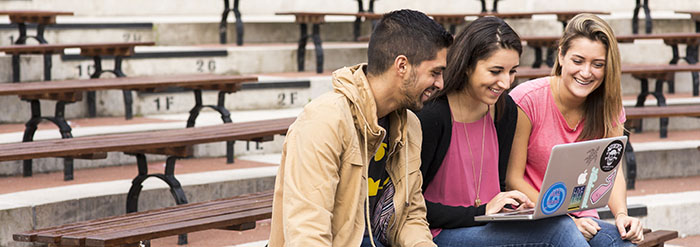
x: 603, y: 106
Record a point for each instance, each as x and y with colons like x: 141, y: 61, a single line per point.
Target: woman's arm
x: 518, y: 158
x: 629, y: 228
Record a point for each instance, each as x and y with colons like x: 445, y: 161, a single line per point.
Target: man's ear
x: 401, y: 65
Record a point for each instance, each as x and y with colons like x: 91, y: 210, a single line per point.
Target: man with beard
x: 350, y: 174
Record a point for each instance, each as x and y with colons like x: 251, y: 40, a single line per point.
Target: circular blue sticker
x: 553, y: 198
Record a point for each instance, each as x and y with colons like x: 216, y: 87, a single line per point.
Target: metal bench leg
x: 47, y: 67
x: 691, y: 56
x: 65, y: 130
x: 128, y: 98
x: 453, y: 29
x: 239, y: 24
x: 194, y: 112
x: 495, y: 6
x: 631, y: 162
x: 647, y: 15
x: 29, y: 130
x: 483, y: 6
x: 538, y: 57
x: 358, y: 22
x: 22, y: 39
x: 635, y: 17
x: 15, y: 68
x: 168, y: 177
x: 226, y: 117
x: 641, y: 98
x: 92, y: 108
x: 550, y: 56
x: 301, y: 50
x: 224, y: 20
x: 674, y: 60
x: 661, y: 101
x: 40, y: 34
x: 317, y: 44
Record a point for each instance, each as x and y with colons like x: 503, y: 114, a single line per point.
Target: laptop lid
x: 579, y: 176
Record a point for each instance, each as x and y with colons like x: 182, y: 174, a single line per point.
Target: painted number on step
x: 257, y: 146
x: 167, y: 101
x: 206, y: 66
x: 132, y: 37
x: 85, y: 70
x: 286, y: 98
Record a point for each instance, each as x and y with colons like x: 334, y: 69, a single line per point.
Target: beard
x: 412, y: 100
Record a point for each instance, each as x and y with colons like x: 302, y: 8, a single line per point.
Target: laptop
x: 579, y: 176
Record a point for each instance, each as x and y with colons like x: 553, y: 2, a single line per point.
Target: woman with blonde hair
x: 580, y: 101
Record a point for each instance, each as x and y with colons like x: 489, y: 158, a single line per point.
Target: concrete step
x: 213, y: 7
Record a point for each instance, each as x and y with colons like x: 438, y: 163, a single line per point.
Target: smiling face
x: 583, y: 66
x: 493, y: 76
x: 423, y: 80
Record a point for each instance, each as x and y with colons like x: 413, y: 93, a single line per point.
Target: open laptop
x: 579, y: 176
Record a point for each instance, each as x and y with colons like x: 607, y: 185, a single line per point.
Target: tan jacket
x: 321, y: 188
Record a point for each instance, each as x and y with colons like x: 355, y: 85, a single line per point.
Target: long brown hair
x: 478, y: 41
x: 603, y: 106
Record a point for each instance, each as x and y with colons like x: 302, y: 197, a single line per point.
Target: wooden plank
x: 134, y: 141
x: 126, y: 229
x: 130, y: 83
x: 662, y: 111
x: 58, y: 48
x: 114, y: 239
x: 657, y: 238
x: 31, y: 236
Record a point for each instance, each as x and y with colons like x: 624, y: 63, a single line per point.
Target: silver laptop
x: 579, y: 176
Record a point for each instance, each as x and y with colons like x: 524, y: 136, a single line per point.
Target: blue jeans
x: 608, y: 236
x: 367, y: 243
x: 550, y: 232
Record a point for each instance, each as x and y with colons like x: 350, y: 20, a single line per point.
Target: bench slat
x: 129, y: 83
x: 173, y: 220
x: 31, y: 236
x: 190, y: 226
x: 662, y: 111
x: 135, y: 141
x: 657, y: 237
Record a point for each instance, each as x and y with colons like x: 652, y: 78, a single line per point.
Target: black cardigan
x: 436, y: 122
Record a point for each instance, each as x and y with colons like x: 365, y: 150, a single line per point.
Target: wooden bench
x: 657, y: 238
x: 96, y: 50
x: 69, y: 91
x: 236, y: 213
x: 24, y: 17
x: 176, y: 144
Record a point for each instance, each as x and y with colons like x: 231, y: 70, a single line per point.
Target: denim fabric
x: 608, y: 236
x: 550, y: 232
x: 367, y: 243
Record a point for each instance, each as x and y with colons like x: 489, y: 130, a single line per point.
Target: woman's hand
x: 630, y: 228
x: 587, y: 226
x: 513, y: 197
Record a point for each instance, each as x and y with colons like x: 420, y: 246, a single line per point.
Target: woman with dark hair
x: 581, y: 101
x: 468, y: 129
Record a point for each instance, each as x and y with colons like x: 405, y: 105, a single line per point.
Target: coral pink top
x: 549, y: 128
x: 455, y: 181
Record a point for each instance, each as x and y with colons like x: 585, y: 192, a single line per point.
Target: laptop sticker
x: 612, y: 155
x: 591, y: 155
x: 576, y: 196
x: 582, y: 177
x: 553, y: 198
x: 603, y: 188
x: 591, y: 183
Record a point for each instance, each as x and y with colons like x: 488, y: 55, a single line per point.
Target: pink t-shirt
x: 549, y: 128
x: 454, y: 183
